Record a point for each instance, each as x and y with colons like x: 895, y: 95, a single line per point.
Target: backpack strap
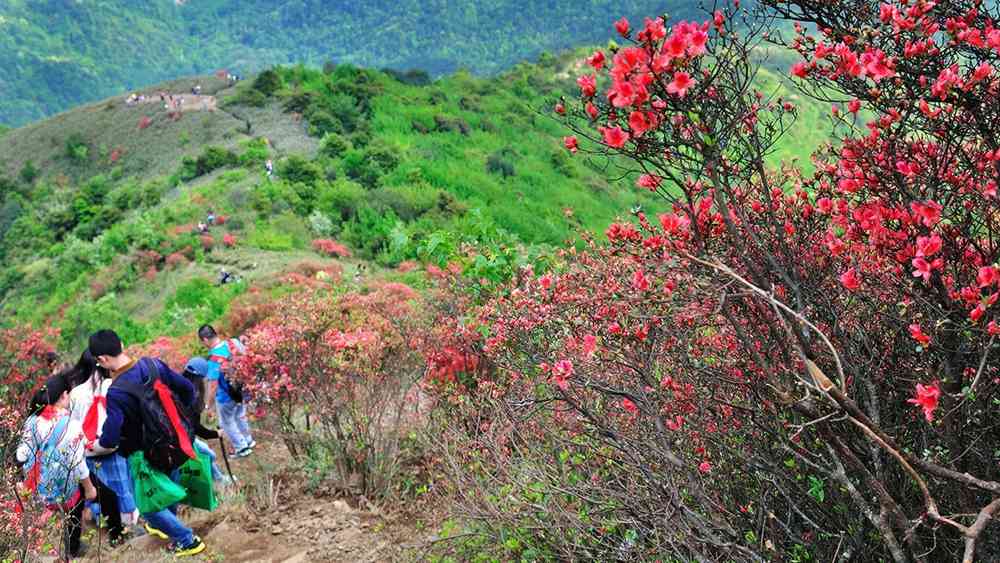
x: 55, y: 435
x: 169, y: 407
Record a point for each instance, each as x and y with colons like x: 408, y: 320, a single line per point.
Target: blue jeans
x: 204, y: 448
x: 233, y: 418
x: 167, y: 522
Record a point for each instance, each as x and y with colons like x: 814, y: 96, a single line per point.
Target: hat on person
x: 105, y: 343
x: 197, y: 366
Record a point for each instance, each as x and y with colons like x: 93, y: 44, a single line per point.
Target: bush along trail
x: 759, y: 363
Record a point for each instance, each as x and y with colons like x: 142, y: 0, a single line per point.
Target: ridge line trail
x: 189, y: 102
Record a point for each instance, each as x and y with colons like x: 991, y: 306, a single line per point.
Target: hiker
x: 195, y: 371
x: 202, y: 228
x: 232, y: 412
x: 269, y: 167
x: 210, y: 218
x: 51, y: 454
x: 88, y: 394
x: 126, y: 427
x: 225, y: 277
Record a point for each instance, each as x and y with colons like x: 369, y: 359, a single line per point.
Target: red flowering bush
x: 176, y: 260
x: 24, y: 366
x: 229, y: 240
x: 778, y: 366
x: 351, y: 364
x: 207, y: 242
x: 330, y: 248
x: 144, y: 122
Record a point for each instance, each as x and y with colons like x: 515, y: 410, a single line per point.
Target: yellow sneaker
x: 155, y: 533
x: 195, y: 547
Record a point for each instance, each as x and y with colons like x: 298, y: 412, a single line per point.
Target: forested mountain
x: 55, y: 54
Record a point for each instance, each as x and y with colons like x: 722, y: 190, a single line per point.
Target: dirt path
x: 272, y: 517
x: 188, y: 102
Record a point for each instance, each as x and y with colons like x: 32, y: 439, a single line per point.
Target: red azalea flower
x: 614, y: 137
x: 648, y: 181
x: 570, y: 143
x: 596, y: 60
x: 849, y: 279
x: 680, y: 85
x: 588, y: 85
x: 918, y: 334
x: 629, y: 406
x: 622, y: 27
x: 927, y: 399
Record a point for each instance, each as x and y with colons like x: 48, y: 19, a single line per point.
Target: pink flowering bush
x: 349, y: 365
x: 331, y: 248
x: 778, y: 366
x: 24, y: 366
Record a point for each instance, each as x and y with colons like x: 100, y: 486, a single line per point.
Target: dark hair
x: 206, y: 332
x: 84, y: 368
x: 105, y: 343
x: 49, y: 393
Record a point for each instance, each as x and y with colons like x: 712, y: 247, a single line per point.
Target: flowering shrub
x: 779, y: 366
x: 176, y: 260
x: 24, y: 366
x: 229, y: 240
x: 351, y: 363
x: 207, y: 242
x: 330, y: 248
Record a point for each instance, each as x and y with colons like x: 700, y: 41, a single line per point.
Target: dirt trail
x: 188, y: 102
x: 271, y: 517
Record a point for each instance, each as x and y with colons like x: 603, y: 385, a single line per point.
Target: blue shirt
x: 223, y: 353
x: 123, y: 426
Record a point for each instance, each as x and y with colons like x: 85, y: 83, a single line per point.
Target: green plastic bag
x: 154, y: 491
x: 196, y: 478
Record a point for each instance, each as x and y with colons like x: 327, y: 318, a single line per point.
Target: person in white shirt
x: 88, y: 408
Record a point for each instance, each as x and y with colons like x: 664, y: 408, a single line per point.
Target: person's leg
x: 110, y: 510
x: 205, y: 449
x: 168, y: 523
x: 227, y: 419
x: 242, y: 423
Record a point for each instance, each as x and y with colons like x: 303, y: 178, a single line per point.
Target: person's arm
x: 89, y: 491
x: 211, y: 385
x: 111, y: 433
x: 25, y: 448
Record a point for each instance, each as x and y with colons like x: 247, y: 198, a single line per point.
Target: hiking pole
x: 225, y: 458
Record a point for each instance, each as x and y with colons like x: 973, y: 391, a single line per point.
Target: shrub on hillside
x: 778, y: 366
x: 358, y: 358
x: 331, y: 247
x: 211, y: 159
x: 501, y: 163
x: 77, y: 149
x: 207, y: 242
x: 267, y: 82
x: 175, y: 260
x: 229, y: 240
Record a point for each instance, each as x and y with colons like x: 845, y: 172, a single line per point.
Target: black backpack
x: 166, y: 423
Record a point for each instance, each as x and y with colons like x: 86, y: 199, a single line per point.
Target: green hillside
x: 98, y: 203
x: 56, y: 54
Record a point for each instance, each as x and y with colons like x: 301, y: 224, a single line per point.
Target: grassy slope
x: 503, y: 115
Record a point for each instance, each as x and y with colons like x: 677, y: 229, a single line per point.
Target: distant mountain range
x: 55, y: 54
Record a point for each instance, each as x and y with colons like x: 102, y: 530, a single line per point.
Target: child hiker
x: 51, y: 455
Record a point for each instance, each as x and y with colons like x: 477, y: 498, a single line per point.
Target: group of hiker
x: 121, y: 438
